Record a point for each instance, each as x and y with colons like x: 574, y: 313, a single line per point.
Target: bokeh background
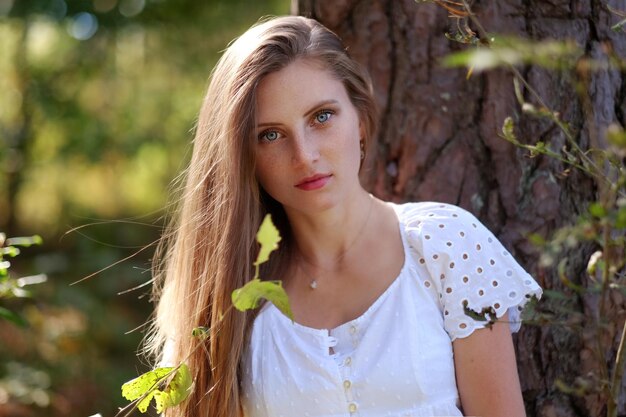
x: 97, y: 106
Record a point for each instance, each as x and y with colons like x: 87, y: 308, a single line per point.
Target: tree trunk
x: 439, y: 140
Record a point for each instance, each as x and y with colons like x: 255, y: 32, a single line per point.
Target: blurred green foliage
x: 98, y: 100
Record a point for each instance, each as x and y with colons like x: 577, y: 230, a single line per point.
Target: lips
x: 314, y: 182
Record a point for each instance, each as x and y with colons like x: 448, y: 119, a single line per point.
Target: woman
x: 379, y: 291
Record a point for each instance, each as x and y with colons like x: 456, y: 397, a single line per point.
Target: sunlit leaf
x: 538, y: 149
x: 176, y: 392
x: 268, y: 237
x: 619, y: 26
x: 147, y: 386
x: 11, y: 251
x: 536, y: 239
x: 249, y: 296
x: 505, y: 51
x: 616, y: 136
x: 597, y: 210
x: 31, y: 280
x: 24, y: 241
x: 595, y: 260
x: 508, y: 130
x: 18, y: 292
x: 200, y: 331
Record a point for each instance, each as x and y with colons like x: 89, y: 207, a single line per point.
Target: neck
x: 324, y: 240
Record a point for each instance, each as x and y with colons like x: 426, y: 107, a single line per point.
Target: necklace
x: 312, y: 280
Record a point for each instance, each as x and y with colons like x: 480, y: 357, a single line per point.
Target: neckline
x: 374, y: 306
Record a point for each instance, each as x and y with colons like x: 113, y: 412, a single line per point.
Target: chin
x: 312, y: 205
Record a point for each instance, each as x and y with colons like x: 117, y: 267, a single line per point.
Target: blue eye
x: 323, y: 116
x: 269, y: 136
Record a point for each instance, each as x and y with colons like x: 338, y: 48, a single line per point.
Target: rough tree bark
x: 438, y: 140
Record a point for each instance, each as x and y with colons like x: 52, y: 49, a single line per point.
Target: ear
x: 361, y: 130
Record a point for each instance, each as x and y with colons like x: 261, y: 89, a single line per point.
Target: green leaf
x: 505, y: 51
x: 595, y: 260
x: 487, y: 314
x: 176, y: 392
x: 11, y: 251
x: 146, y: 387
x: 508, y: 130
x: 536, y: 239
x: 249, y: 296
x: 597, y: 210
x: 200, y: 331
x: 24, y: 241
x: 268, y: 237
x: 619, y: 26
x: 12, y: 317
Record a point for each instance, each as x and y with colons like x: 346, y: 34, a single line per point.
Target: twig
x: 618, y: 371
x: 570, y: 138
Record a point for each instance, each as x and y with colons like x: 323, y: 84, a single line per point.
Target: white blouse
x: 395, y: 359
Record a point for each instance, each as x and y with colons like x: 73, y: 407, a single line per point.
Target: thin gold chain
x: 313, y: 281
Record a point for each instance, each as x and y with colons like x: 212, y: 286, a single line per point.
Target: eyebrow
x: 306, y: 113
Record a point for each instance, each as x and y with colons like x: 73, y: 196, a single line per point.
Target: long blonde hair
x: 208, y: 248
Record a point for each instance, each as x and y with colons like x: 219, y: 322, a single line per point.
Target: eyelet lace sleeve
x: 468, y: 266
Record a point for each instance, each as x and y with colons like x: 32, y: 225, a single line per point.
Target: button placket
x: 329, y: 342
x: 353, y: 330
x: 350, y: 333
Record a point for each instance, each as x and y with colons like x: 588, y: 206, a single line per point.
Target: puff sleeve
x: 468, y: 267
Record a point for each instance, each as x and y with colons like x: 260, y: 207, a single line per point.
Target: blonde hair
x: 208, y: 249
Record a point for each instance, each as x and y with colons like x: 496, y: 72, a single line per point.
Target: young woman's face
x: 308, y: 134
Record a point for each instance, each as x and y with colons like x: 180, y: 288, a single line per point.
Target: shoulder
x: 441, y: 217
x: 445, y: 234
x: 467, y: 265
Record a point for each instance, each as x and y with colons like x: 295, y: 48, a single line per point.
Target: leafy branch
x: 604, y: 223
x: 15, y: 287
x: 169, y: 386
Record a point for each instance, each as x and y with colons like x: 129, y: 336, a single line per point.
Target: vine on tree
x: 603, y: 225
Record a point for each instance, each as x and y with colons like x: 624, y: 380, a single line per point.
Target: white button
x: 347, y: 384
x: 352, y: 407
x: 348, y: 361
x: 352, y: 329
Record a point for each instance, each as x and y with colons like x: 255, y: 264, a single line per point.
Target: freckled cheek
x: 348, y: 149
x: 268, y: 172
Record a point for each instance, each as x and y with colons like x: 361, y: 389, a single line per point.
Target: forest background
x: 97, y: 105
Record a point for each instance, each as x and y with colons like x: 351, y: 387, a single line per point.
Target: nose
x: 304, y: 149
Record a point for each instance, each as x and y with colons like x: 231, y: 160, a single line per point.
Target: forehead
x: 296, y: 88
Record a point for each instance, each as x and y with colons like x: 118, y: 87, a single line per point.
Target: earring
x: 362, y: 150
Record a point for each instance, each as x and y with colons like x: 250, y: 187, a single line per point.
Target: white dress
x: 396, y: 358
